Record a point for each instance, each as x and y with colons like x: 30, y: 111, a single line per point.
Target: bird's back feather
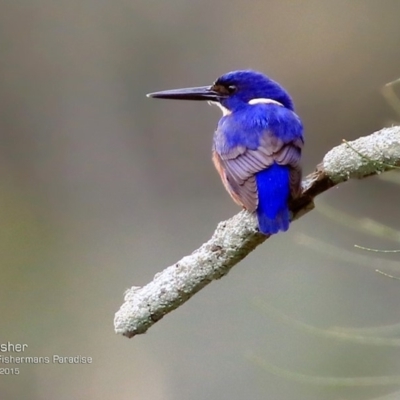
x: 257, y: 153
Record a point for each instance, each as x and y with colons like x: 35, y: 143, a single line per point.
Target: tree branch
x: 235, y: 238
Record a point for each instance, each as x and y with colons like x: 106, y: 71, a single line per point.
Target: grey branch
x: 235, y: 238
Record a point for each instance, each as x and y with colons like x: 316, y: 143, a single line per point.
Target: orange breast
x: 220, y: 168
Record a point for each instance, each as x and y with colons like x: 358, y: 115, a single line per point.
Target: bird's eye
x: 223, y: 89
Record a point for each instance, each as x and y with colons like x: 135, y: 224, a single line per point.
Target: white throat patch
x: 224, y: 110
x: 265, y: 101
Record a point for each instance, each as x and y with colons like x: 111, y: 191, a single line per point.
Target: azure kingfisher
x: 257, y: 144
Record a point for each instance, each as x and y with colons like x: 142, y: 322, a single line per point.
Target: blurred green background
x: 101, y: 188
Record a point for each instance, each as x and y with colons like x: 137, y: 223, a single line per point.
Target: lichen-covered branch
x: 235, y: 238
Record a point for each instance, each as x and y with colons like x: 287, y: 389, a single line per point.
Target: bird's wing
x: 239, y: 165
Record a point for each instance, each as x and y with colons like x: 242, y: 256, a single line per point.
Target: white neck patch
x: 224, y: 110
x: 265, y: 101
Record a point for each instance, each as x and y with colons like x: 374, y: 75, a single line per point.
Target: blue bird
x: 257, y: 144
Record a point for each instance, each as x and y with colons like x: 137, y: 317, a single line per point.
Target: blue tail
x: 273, y: 194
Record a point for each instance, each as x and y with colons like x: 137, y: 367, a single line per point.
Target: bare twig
x: 235, y: 238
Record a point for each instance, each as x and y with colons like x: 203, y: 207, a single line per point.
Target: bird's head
x: 234, y: 90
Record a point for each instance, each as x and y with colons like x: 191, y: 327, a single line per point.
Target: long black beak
x: 196, y: 93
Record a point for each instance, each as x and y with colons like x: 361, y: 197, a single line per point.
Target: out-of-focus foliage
x: 102, y: 187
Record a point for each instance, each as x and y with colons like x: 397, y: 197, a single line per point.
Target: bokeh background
x: 101, y: 188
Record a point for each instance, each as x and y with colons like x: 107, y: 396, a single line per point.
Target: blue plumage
x: 257, y: 144
x: 273, y: 193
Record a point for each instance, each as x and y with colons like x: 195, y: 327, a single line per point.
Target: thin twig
x: 376, y: 250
